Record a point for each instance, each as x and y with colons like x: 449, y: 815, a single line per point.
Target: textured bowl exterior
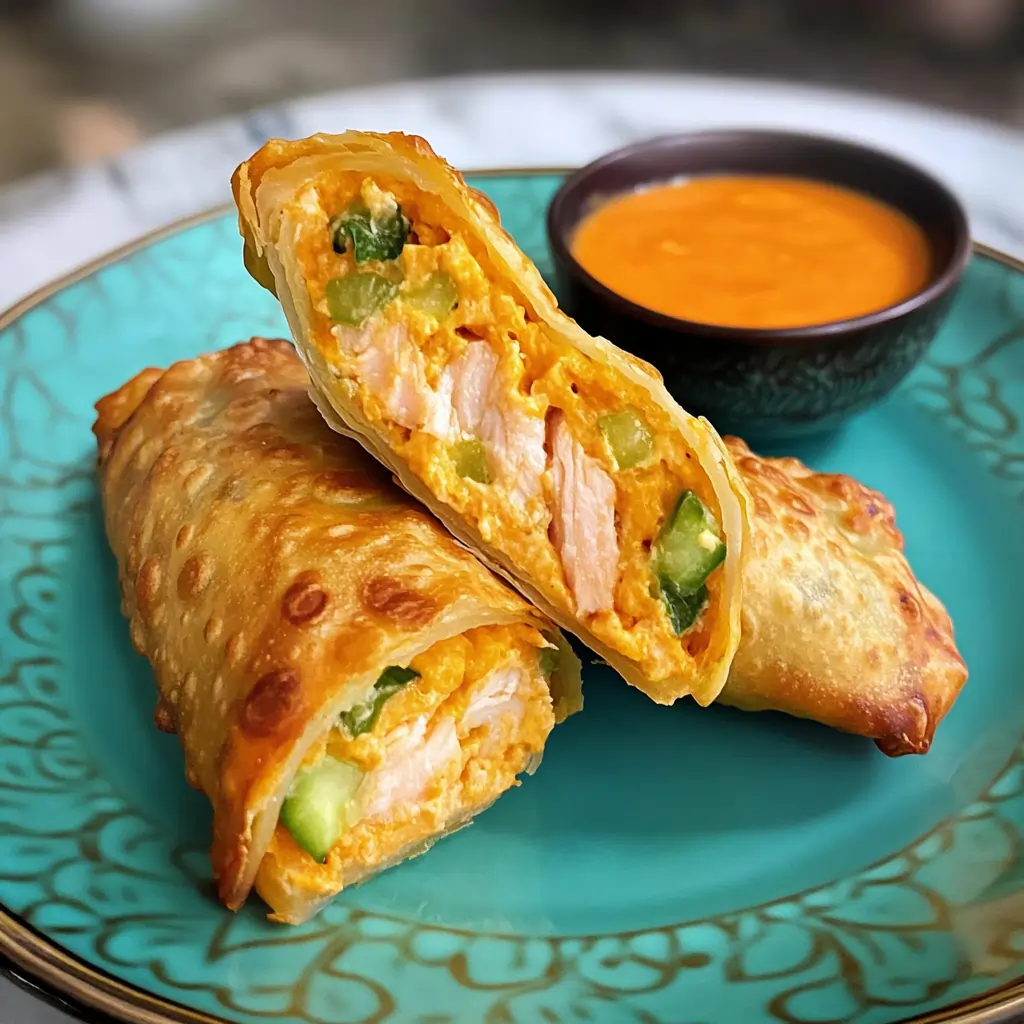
x: 768, y: 391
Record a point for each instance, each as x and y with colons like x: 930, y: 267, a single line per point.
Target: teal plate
x: 666, y: 864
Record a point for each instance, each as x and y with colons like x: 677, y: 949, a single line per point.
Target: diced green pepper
x: 471, y: 460
x: 363, y: 717
x: 354, y: 298
x: 371, y: 238
x: 628, y: 437
x: 438, y: 295
x: 687, y: 550
x: 315, y: 809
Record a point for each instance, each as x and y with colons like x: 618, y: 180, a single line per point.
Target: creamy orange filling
x: 539, y: 374
x: 491, y: 752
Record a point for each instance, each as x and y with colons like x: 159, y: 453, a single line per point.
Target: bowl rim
x: 938, y: 286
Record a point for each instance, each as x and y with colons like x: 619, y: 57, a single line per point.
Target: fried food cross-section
x: 348, y: 683
x: 562, y: 460
x: 835, y: 625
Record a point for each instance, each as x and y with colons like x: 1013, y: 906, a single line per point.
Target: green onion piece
x: 371, y: 238
x: 628, y: 437
x: 354, y: 298
x: 363, y: 717
x: 438, y: 295
x: 471, y: 460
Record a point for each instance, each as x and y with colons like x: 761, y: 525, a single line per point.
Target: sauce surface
x: 751, y: 251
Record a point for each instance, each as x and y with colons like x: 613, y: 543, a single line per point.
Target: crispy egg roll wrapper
x: 287, y: 195
x: 836, y: 627
x: 270, y: 572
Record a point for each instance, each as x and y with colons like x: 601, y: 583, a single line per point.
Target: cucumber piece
x: 688, y: 549
x: 438, y: 295
x: 689, y: 545
x: 471, y: 460
x: 682, y: 609
x: 314, y: 810
x: 628, y: 437
x: 354, y: 298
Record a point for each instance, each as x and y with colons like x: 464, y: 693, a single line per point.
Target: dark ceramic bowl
x: 778, y: 382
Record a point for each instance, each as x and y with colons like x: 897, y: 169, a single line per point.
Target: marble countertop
x: 52, y: 224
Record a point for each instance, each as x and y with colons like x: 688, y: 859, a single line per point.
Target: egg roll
x: 561, y: 460
x: 348, y: 683
x: 836, y: 627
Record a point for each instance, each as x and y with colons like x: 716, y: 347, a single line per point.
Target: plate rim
x: 86, y: 992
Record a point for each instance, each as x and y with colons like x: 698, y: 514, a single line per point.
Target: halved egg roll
x: 836, y: 627
x: 348, y: 683
x: 560, y: 459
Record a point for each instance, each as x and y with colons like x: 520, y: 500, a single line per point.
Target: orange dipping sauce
x: 751, y: 251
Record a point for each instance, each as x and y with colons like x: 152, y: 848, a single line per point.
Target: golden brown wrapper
x: 270, y: 572
x: 836, y: 627
x: 271, y: 222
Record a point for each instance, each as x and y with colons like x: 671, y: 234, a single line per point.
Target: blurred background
x: 80, y: 80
